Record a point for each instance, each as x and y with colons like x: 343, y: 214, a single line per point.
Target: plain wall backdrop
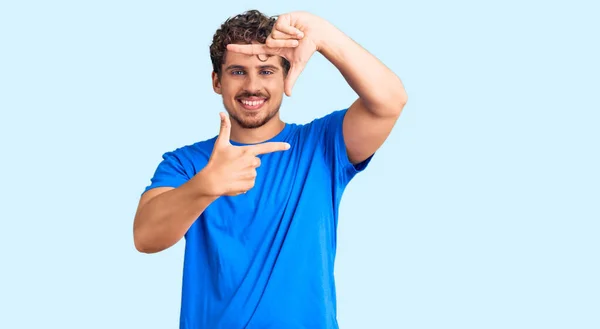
x: 481, y: 210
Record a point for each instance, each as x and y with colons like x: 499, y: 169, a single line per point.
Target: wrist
x: 202, y: 185
x: 325, y: 36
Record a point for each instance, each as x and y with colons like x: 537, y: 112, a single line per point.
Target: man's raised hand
x: 294, y: 37
x: 231, y: 170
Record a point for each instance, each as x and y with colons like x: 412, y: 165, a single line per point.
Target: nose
x: 252, y: 83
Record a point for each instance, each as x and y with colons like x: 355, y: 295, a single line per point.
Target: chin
x: 252, y: 117
x: 251, y: 122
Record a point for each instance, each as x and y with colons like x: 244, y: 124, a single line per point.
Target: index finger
x: 252, y: 49
x: 269, y: 147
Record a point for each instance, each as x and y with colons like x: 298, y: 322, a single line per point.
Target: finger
x: 225, y: 131
x: 286, y: 27
x: 251, y: 161
x: 254, y: 162
x: 278, y: 43
x: 268, y: 147
x: 252, y: 49
x: 251, y: 174
x: 292, y: 76
x: 237, y: 192
x: 246, y: 174
x: 278, y: 35
x: 242, y: 187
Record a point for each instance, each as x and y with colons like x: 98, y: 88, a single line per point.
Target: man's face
x: 252, y: 90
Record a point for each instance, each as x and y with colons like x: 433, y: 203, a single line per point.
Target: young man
x: 258, y: 204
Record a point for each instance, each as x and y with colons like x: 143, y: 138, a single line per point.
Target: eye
x: 238, y: 72
x: 266, y: 72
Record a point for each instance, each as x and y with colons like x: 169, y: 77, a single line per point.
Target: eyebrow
x: 241, y: 67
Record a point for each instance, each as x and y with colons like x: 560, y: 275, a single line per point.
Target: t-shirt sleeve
x: 169, y: 173
x: 334, y: 147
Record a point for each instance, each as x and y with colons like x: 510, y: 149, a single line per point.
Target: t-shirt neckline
x: 280, y: 137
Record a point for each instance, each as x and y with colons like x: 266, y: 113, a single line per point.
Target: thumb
x: 225, y: 131
x: 293, y: 74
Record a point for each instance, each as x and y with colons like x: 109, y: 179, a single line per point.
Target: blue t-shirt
x: 265, y: 259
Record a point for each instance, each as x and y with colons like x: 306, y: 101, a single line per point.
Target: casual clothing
x: 265, y: 259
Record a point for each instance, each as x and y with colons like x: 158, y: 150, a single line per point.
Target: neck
x: 256, y: 135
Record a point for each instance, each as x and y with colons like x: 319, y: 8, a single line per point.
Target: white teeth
x: 252, y: 103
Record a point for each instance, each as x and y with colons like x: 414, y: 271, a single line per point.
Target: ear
x: 216, y: 83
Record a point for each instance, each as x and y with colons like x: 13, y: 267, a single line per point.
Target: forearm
x: 380, y: 90
x: 165, y: 219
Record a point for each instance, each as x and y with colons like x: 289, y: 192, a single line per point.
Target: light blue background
x: 482, y: 209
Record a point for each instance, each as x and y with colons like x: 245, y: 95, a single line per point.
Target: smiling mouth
x: 252, y: 104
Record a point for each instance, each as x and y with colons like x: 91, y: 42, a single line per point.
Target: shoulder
x: 328, y: 120
x: 323, y: 127
x: 181, y: 164
x: 191, y: 157
x: 327, y: 134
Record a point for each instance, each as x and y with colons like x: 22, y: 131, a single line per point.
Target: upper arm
x: 151, y: 194
x: 170, y: 174
x: 365, y: 132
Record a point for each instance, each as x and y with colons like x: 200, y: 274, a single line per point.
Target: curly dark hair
x: 246, y: 27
